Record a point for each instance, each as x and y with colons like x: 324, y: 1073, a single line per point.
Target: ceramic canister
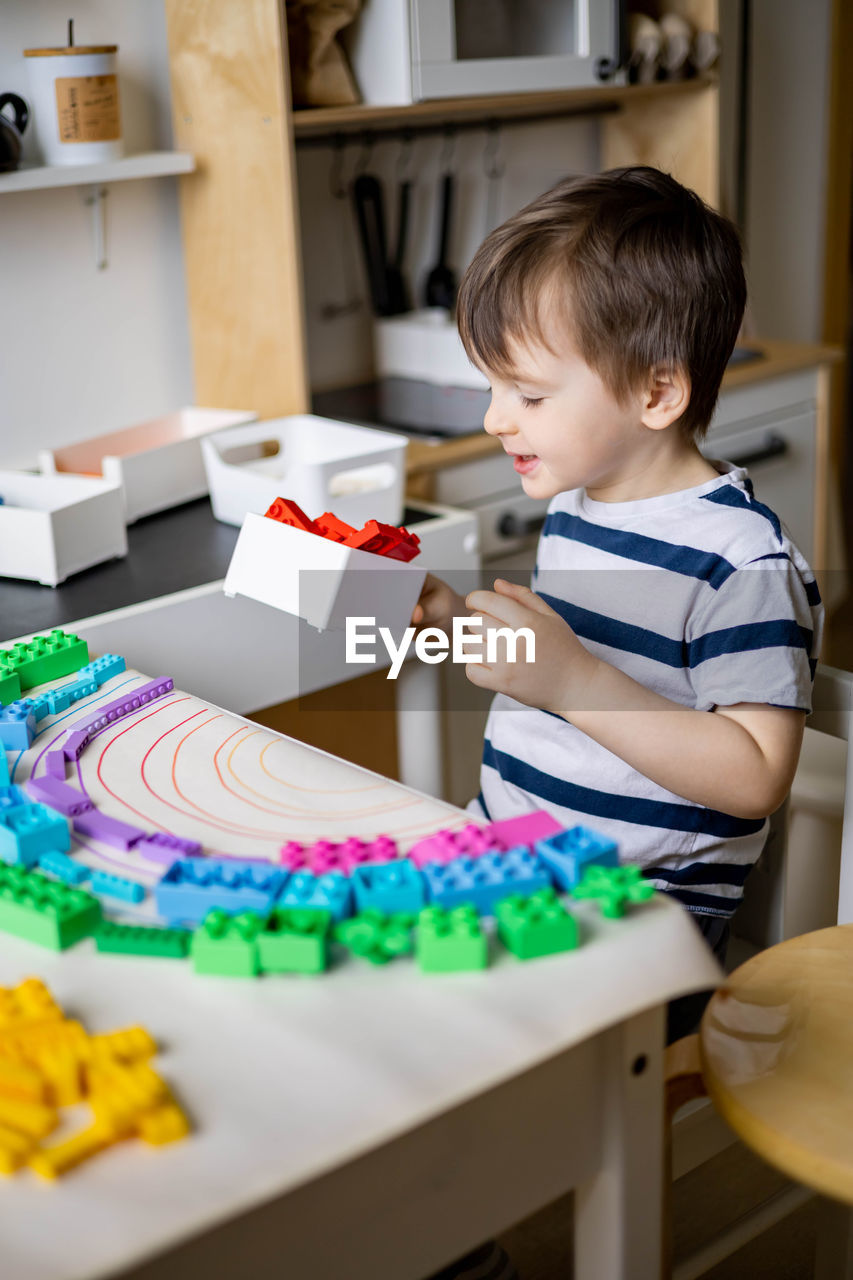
x: 74, y: 100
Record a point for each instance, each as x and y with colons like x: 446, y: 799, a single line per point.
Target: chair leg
x: 834, y: 1250
x: 682, y: 1075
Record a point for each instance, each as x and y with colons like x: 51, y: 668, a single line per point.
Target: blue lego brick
x: 11, y: 797
x: 4, y: 769
x: 29, y: 830
x: 193, y: 886
x: 329, y: 892
x: 83, y: 688
x: 484, y: 881
x: 389, y: 887
x: 17, y: 725
x: 103, y: 669
x: 567, y: 854
x: 111, y: 886
x: 64, y: 868
x: 59, y: 699
x: 41, y: 706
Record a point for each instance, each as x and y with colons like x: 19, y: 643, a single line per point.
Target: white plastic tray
x: 157, y: 463
x: 319, y: 580
x: 424, y: 345
x: 320, y: 463
x: 52, y: 526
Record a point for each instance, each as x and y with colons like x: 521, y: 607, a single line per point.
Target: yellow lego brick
x: 63, y: 1071
x: 17, y: 1080
x: 130, y: 1044
x: 30, y: 1001
x: 119, y: 1095
x: 166, y: 1123
x: 14, y: 1149
x: 23, y: 1043
x: 32, y: 1118
x: 50, y: 1162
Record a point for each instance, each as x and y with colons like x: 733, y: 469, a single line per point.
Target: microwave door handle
x: 774, y: 446
x: 512, y: 526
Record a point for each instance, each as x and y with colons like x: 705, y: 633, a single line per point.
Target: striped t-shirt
x: 701, y: 596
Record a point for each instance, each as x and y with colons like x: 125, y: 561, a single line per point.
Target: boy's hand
x: 438, y: 604
x: 562, y: 665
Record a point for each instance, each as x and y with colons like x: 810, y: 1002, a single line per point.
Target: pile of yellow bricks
x: 48, y: 1061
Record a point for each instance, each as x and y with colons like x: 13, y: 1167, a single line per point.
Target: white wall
x: 85, y: 350
x: 536, y: 156
x: 787, y: 163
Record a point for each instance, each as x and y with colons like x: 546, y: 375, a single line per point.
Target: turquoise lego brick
x: 614, y: 888
x: 484, y: 881
x: 104, y: 668
x: 41, y: 706
x: 451, y: 941
x: 375, y: 936
x: 4, y: 769
x: 45, y: 658
x: 112, y: 886
x: 329, y: 892
x: 536, y: 926
x: 226, y: 946
x: 17, y: 725
x: 388, y: 887
x: 29, y: 830
x: 44, y: 911
x: 64, y: 868
x: 295, y: 941
x: 137, y: 940
x: 567, y: 854
x: 10, y: 683
x: 11, y: 797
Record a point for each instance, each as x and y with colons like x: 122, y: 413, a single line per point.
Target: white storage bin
x: 319, y: 463
x: 157, y: 463
x: 319, y: 580
x: 424, y: 345
x: 53, y: 526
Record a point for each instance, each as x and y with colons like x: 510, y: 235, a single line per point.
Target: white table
x: 367, y: 1123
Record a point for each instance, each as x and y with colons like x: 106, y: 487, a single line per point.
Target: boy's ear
x: 666, y: 396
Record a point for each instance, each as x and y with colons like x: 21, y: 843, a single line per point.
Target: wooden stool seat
x: 776, y: 1048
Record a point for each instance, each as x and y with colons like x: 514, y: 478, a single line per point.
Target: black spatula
x: 441, y: 282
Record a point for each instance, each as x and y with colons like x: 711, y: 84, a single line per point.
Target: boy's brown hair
x: 637, y: 267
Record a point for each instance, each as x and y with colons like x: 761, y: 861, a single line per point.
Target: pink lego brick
x: 526, y: 829
x: 324, y: 855
x: 54, y: 763
x: 442, y: 847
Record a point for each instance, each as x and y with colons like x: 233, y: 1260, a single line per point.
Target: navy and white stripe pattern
x: 699, y: 595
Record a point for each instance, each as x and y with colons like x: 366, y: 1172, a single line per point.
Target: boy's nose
x: 496, y: 422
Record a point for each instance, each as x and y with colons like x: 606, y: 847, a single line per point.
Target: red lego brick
x: 385, y: 540
x: 332, y: 528
x: 287, y: 512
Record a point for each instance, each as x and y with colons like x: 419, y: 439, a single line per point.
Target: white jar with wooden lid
x: 74, y: 100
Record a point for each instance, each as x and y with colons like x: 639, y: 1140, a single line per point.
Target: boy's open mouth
x: 524, y: 462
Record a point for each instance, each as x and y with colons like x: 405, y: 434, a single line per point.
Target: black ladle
x: 441, y: 282
x: 398, y: 294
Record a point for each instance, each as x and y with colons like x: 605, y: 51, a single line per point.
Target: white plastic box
x: 424, y: 345
x: 319, y: 463
x: 158, y: 463
x: 319, y: 580
x: 53, y: 526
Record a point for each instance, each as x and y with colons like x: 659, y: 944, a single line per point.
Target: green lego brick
x: 614, y: 888
x: 375, y: 936
x: 10, y: 684
x: 451, y: 941
x: 135, y: 940
x: 45, y: 658
x: 295, y: 940
x: 534, y: 926
x: 226, y: 946
x: 45, y: 911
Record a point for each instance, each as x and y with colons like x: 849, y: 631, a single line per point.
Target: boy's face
x: 563, y: 427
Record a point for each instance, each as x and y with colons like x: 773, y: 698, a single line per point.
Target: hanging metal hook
x: 448, y: 147
x: 365, y: 153
x: 494, y: 164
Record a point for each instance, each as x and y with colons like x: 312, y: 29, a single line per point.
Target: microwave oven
x: 405, y: 51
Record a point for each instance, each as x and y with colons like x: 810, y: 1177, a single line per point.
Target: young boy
x: 676, y: 625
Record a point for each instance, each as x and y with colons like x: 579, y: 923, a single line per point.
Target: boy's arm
x: 740, y: 759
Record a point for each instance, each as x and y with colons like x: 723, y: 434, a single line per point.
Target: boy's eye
x: 530, y: 402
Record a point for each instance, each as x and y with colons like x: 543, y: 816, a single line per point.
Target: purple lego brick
x: 131, y: 702
x: 75, y: 744
x: 59, y: 796
x: 161, y: 846
x: 54, y: 763
x: 100, y: 826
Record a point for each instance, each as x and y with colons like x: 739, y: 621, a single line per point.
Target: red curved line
x: 248, y: 832
x: 153, y: 712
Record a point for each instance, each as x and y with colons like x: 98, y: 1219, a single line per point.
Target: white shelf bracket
x: 96, y: 201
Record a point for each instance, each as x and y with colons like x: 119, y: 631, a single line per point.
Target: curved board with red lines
x: 183, y: 766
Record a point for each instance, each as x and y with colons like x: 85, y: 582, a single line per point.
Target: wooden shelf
x: 314, y: 122
x: 151, y: 164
